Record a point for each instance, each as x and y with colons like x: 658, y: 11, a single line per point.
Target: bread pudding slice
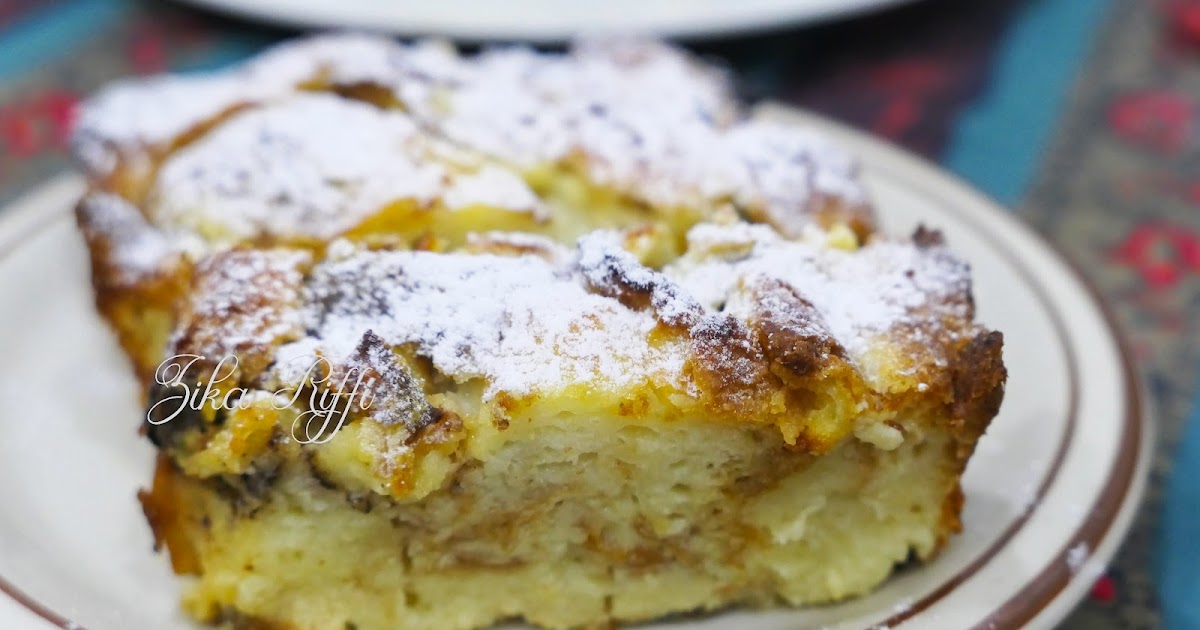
x: 416, y: 147
x: 433, y: 341
x: 443, y: 440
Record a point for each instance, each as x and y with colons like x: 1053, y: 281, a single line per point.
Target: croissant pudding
x: 616, y: 350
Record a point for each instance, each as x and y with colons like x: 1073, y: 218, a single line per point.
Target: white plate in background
x: 545, y: 20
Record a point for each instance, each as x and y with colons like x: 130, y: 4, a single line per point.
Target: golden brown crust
x: 124, y: 141
x: 166, y: 509
x: 730, y: 368
x: 802, y: 345
x: 771, y: 365
x: 243, y: 305
x: 138, y: 301
x: 789, y: 330
x: 978, y: 389
x: 978, y: 381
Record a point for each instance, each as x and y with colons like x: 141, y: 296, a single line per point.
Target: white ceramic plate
x: 544, y: 20
x: 1050, y: 491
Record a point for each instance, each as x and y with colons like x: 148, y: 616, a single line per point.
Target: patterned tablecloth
x: 1083, y: 115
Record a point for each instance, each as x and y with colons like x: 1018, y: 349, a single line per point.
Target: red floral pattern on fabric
x: 1162, y: 121
x: 1184, y: 18
x: 37, y: 124
x: 1104, y: 590
x: 1161, y: 253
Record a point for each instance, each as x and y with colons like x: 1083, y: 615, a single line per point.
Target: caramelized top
x: 317, y: 138
x: 491, y: 235
x: 738, y: 325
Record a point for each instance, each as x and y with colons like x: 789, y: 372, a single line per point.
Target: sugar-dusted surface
x: 789, y: 172
x: 517, y: 243
x: 252, y: 151
x: 520, y: 322
x: 138, y: 114
x: 526, y: 324
x: 136, y: 251
x: 493, y: 187
x: 277, y: 171
x: 882, y: 288
x: 244, y: 302
x: 644, y: 118
x: 620, y: 104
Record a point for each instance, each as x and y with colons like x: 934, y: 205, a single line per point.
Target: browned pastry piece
x: 415, y: 146
x: 564, y: 338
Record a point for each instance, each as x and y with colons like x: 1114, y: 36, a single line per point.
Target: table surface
x: 1081, y: 115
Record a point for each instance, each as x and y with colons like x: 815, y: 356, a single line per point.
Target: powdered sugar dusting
x: 272, y: 171
x: 530, y: 107
x: 243, y: 302
x: 338, y: 59
x: 518, y: 322
x: 526, y: 323
x: 861, y: 295
x: 517, y: 243
x: 495, y: 187
x: 135, y: 114
x: 637, y: 116
x: 725, y: 241
x: 644, y: 119
x: 614, y: 272
x: 789, y: 171
x: 136, y: 251
x: 395, y: 396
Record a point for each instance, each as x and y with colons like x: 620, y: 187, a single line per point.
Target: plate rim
x: 716, y: 25
x: 20, y: 220
x: 1041, y: 601
x: 1054, y: 591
